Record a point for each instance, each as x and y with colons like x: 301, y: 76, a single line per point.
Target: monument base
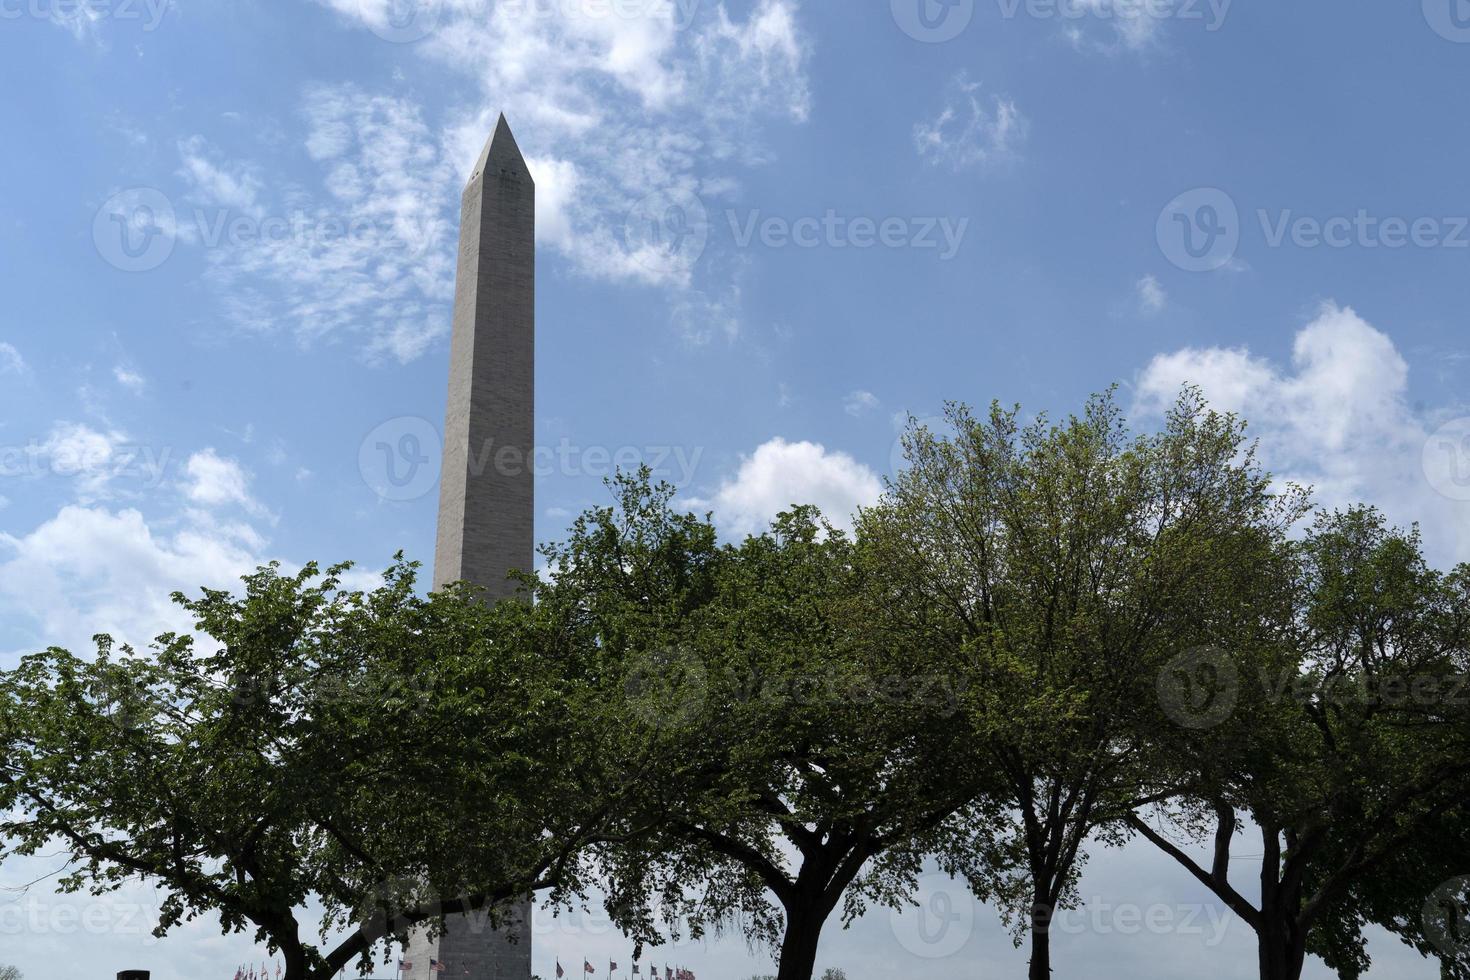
x: 472, y: 949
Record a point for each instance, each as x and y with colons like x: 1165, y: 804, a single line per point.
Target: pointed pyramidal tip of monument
x: 501, y: 153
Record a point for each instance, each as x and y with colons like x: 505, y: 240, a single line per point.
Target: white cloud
x: 700, y: 317
x: 859, y: 403
x: 614, y: 104
x: 92, y: 458
x: 79, y: 19
x: 219, y: 184
x: 780, y: 474
x: 129, y: 379
x: 212, y: 480
x: 1151, y: 296
x: 970, y: 131
x: 10, y: 360
x: 91, y: 570
x: 1134, y: 26
x: 1338, y: 418
x: 368, y: 256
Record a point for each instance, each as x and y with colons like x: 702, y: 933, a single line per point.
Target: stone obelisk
x: 486, y: 493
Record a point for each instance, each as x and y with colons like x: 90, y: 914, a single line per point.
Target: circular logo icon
x: 1447, y: 918
x: 933, y: 21
x: 1449, y: 18
x: 1199, y: 231
x: 1199, y: 688
x: 667, y: 232
x: 937, y: 426
x: 667, y: 688
x: 400, y: 459
x: 1447, y: 460
x: 123, y: 703
x: 401, y: 21
x: 943, y: 922
x: 135, y: 230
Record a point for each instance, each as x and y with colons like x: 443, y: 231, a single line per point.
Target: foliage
x: 1043, y: 635
x: 395, y: 757
x: 1062, y: 566
x: 790, y: 748
x: 1348, y: 749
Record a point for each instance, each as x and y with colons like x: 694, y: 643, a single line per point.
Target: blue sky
x: 768, y: 230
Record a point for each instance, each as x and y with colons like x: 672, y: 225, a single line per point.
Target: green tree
x: 1061, y: 566
x: 1347, y: 753
x: 10, y: 973
x: 395, y: 757
x: 798, y: 760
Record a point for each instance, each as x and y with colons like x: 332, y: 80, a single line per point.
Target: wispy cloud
x: 129, y: 379
x: 859, y: 403
x: 971, y: 131
x: 1151, y: 296
x: 10, y: 360
x: 624, y: 111
x: 367, y: 255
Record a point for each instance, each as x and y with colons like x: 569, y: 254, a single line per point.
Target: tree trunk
x: 1280, y: 954
x: 296, y: 966
x: 799, y: 945
x: 1041, y: 916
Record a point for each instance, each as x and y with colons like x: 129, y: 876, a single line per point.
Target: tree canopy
x: 395, y: 757
x: 1062, y: 566
x: 790, y: 746
x: 1347, y: 747
x: 1043, y: 635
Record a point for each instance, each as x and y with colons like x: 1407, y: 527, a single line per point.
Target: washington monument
x: 487, y: 508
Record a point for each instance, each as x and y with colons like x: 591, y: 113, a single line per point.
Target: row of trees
x: 1043, y: 636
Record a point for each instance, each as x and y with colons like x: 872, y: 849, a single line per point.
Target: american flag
x: 587, y: 967
x: 559, y: 971
x: 436, y: 967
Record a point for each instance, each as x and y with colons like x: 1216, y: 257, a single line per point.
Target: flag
x: 587, y: 967
x: 559, y: 971
x: 635, y: 969
x: 612, y: 965
x: 435, y: 966
x: 405, y: 964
